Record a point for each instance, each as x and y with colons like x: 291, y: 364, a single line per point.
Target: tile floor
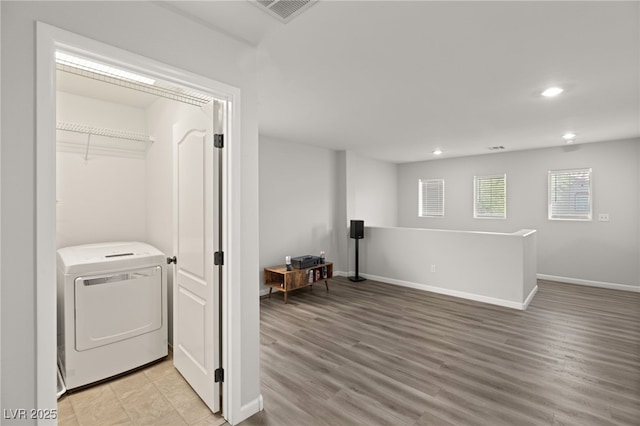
x: 155, y: 395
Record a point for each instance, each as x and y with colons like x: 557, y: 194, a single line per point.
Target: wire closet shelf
x: 102, y: 131
x: 159, y: 88
x: 118, y: 142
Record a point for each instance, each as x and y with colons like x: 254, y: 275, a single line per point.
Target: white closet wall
x: 102, y: 197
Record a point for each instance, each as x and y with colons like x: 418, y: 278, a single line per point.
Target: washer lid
x: 104, y: 255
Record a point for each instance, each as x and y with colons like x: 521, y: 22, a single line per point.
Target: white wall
x: 0, y: 198
x: 148, y: 30
x: 371, y: 194
x: 103, y: 197
x: 588, y: 252
x: 77, y: 109
x: 342, y: 215
x: 297, y: 202
x: 372, y: 190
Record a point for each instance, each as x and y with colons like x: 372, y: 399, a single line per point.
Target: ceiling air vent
x: 496, y: 148
x: 284, y: 10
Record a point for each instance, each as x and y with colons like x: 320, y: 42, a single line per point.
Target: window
x: 490, y: 196
x: 570, y: 194
x: 431, y: 197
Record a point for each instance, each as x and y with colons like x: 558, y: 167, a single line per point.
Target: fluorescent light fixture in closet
x: 90, y: 69
x: 87, y: 65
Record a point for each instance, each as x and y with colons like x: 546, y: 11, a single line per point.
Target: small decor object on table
x: 287, y: 262
x: 306, y: 261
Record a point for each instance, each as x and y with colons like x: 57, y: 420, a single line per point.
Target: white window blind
x: 570, y: 194
x: 431, y: 197
x: 490, y: 196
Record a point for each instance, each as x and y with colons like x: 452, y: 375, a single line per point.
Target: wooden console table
x: 277, y: 277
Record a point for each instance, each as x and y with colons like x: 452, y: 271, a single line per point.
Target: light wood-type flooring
x: 376, y: 354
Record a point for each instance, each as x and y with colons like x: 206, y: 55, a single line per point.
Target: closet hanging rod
x: 101, y: 131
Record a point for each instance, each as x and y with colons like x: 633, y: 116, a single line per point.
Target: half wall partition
x: 496, y: 268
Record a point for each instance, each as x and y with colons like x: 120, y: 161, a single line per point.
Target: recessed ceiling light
x: 568, y: 136
x: 437, y: 152
x: 552, y: 91
x: 84, y: 64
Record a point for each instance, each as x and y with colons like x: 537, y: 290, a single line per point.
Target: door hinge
x: 171, y: 260
x: 218, y: 258
x: 219, y: 375
x: 218, y: 140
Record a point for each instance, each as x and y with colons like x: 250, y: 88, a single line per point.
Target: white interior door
x: 196, y: 343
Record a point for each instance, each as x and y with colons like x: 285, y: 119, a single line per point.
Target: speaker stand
x: 357, y: 277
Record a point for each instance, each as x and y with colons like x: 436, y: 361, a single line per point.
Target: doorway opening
x: 109, y: 160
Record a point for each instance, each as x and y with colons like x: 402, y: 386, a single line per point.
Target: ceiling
x: 395, y: 80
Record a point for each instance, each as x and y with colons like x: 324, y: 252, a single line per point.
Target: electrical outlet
x: 433, y: 268
x: 603, y: 217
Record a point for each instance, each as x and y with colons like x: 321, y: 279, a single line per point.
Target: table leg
x: 285, y: 297
x: 270, y: 290
x: 326, y: 283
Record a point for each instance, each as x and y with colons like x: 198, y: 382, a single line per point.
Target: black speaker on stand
x: 357, y: 233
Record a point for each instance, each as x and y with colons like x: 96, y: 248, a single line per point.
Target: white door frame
x: 48, y: 39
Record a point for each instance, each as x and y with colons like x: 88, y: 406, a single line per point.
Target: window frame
x: 588, y: 217
x: 476, y: 179
x: 421, y: 194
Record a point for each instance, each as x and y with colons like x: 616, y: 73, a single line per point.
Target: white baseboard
x: 590, y: 283
x: 530, y: 297
x: 515, y: 305
x: 249, y: 409
x: 455, y: 293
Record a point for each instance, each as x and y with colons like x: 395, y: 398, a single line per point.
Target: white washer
x: 112, y: 309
